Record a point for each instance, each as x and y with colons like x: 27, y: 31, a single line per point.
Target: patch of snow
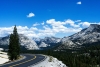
x: 43, y: 44
x: 54, y: 62
x: 28, y: 43
x: 3, y: 57
x: 3, y: 60
x: 1, y: 49
x: 87, y: 35
x: 37, y: 39
x: 51, y: 40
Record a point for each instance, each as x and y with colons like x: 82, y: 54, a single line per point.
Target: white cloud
x: 33, y: 28
x: 72, y: 23
x: 5, y: 31
x: 42, y: 23
x: 58, y: 26
x: 30, y: 15
x: 46, y: 32
x: 79, y: 2
x: 50, y: 28
x: 78, y: 21
x: 86, y: 24
x: 36, y: 24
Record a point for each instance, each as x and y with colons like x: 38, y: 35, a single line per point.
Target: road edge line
x: 13, y: 61
x: 39, y: 61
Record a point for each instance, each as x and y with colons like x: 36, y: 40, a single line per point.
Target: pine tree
x: 10, y: 51
x: 14, y: 45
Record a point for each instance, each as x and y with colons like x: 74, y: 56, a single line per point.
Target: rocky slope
x: 24, y: 41
x: 85, y: 36
x: 51, y: 40
x: 42, y: 44
x: 47, y: 41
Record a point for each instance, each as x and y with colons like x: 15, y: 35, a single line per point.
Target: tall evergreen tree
x: 14, y: 45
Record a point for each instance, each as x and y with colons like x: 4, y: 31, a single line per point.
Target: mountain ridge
x: 24, y: 42
x: 85, y: 36
x: 90, y: 35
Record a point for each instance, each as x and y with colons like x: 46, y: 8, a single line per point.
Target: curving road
x: 29, y: 60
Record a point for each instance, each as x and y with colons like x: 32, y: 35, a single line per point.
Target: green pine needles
x: 14, y: 45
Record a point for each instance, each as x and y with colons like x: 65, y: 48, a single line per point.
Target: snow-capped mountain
x: 48, y: 39
x: 24, y: 41
x: 28, y: 43
x: 37, y: 39
x: 47, y: 42
x: 4, y: 40
x: 42, y: 44
x: 85, y: 36
x: 51, y: 40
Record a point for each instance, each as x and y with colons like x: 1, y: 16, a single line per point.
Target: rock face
x: 85, y: 36
x: 42, y: 44
x: 51, y: 40
x: 47, y: 42
x: 24, y: 41
x: 4, y: 40
x: 28, y: 43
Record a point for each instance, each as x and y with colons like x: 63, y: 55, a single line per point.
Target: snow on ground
x: 50, y: 62
x: 3, y: 57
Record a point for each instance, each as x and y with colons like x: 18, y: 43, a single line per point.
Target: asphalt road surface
x: 29, y: 60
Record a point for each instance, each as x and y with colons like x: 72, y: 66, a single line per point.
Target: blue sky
x: 40, y: 18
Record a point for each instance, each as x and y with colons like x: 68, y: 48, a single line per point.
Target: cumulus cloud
x: 72, y: 23
x: 42, y: 23
x: 58, y: 26
x: 36, y: 24
x: 85, y: 24
x: 4, y: 31
x: 50, y: 28
x: 30, y: 15
x: 78, y: 21
x: 79, y: 3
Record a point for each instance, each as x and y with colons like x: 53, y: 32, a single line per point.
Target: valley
x: 78, y: 50
x: 49, y: 33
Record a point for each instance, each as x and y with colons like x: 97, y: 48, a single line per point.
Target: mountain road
x: 28, y: 61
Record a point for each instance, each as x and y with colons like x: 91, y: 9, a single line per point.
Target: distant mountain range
x: 47, y: 42
x: 86, y: 36
x: 31, y: 44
